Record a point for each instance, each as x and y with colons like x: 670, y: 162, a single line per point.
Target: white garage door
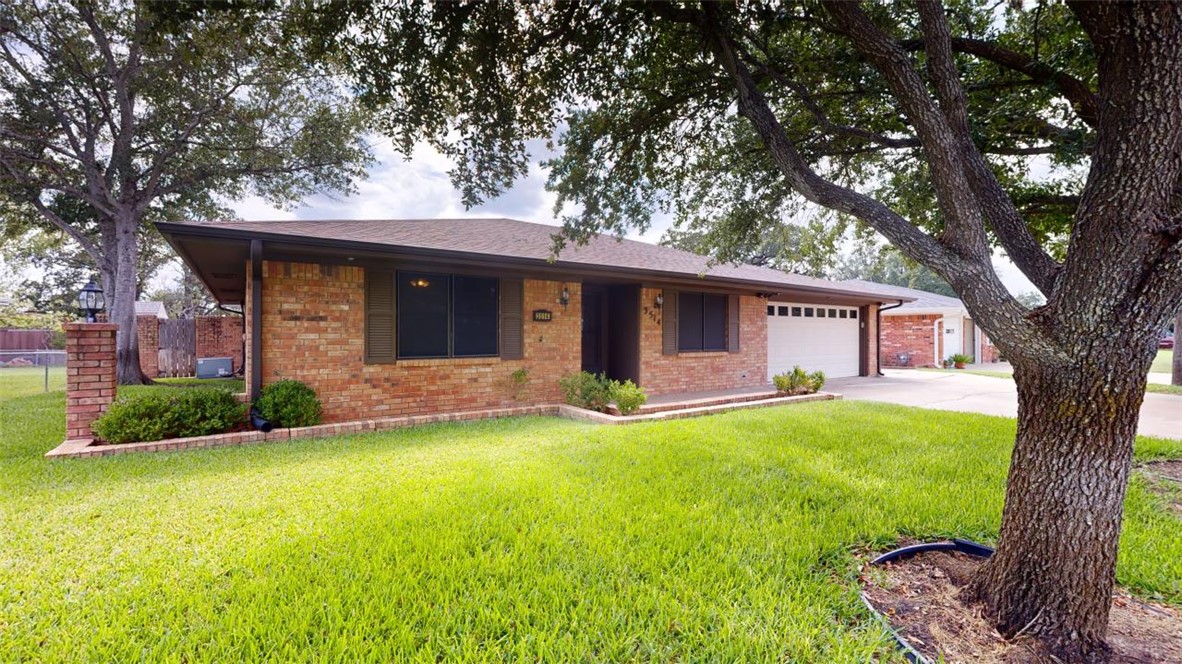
x: 813, y: 337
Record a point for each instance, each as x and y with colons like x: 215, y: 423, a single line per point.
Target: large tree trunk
x: 123, y: 297
x: 1176, y: 378
x: 1053, y: 574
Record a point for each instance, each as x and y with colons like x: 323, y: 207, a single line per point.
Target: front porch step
x: 671, y: 402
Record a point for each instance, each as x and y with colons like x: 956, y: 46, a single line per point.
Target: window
x: 833, y: 313
x: 701, y: 322
x: 441, y: 315
x: 842, y: 313
x: 783, y: 311
x: 771, y: 311
x: 808, y: 312
x: 853, y: 313
x: 796, y: 311
x: 820, y: 313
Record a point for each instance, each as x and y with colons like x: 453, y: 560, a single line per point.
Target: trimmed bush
x: 586, y: 390
x: 289, y: 403
x: 628, y: 396
x: 170, y: 412
x: 799, y: 381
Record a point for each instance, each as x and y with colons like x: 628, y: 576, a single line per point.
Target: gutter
x: 878, y: 332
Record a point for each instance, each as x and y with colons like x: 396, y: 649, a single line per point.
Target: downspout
x: 878, y: 333
x: 936, y: 342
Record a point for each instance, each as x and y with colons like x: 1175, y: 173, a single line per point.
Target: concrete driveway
x: 1161, y: 414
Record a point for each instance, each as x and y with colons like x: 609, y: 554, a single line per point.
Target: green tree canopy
x: 142, y: 110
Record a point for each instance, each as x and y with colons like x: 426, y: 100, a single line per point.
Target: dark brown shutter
x: 379, y: 316
x: 512, y: 319
x: 669, y: 323
x: 732, y: 327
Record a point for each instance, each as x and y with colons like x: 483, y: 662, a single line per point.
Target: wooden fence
x: 178, y: 347
x: 25, y: 339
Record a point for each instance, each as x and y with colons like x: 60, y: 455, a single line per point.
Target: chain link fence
x: 30, y: 371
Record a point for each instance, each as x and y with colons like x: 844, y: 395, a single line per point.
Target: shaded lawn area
x: 1164, y: 362
x: 725, y: 538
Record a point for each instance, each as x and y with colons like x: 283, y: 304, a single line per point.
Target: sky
x: 419, y: 187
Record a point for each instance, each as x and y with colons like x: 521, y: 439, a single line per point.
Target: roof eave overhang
x: 176, y: 234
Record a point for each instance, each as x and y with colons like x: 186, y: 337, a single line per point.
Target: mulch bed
x: 919, y: 598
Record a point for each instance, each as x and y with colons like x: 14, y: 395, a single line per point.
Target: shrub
x: 799, y: 381
x: 289, y: 403
x: 628, y: 396
x: 961, y: 358
x: 586, y: 390
x: 170, y: 412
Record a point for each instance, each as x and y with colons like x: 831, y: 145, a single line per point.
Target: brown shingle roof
x: 521, y: 240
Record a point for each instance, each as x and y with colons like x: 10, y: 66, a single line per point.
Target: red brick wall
x: 147, y: 329
x: 220, y: 336
x: 912, y: 335
x: 90, y: 375
x: 989, y: 352
x: 313, y: 331
x: 691, y: 372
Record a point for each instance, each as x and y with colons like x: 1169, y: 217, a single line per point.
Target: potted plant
x: 960, y: 359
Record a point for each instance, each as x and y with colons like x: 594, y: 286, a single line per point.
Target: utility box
x: 215, y: 367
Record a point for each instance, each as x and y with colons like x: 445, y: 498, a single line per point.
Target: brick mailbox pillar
x: 90, y: 375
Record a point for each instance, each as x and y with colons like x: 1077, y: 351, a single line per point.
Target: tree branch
x: 1003, y: 216
x: 1085, y: 102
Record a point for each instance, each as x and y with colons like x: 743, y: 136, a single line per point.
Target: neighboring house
x: 927, y: 329
x: 151, y: 308
x: 408, y: 317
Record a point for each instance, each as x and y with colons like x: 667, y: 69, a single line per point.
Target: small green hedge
x: 596, y: 391
x: 799, y: 381
x: 170, y: 412
x: 289, y: 403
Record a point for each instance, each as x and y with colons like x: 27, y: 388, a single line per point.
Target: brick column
x: 90, y: 375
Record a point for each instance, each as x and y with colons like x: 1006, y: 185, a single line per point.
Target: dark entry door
x: 594, y: 359
x: 623, y: 332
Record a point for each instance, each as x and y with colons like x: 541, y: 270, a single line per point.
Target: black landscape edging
x: 963, y: 546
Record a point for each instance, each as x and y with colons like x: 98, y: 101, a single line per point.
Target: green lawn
x: 1163, y: 363
x: 726, y: 538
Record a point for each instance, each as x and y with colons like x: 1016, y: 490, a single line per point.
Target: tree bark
x: 127, y: 349
x: 1176, y: 378
x: 1055, y: 566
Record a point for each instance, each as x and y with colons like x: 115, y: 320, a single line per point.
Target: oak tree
x: 141, y: 109
x: 1054, y: 133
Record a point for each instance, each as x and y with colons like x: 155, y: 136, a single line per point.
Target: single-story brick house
x: 409, y: 317
x: 926, y: 328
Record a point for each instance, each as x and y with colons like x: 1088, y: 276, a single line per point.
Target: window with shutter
x: 669, y: 323
x: 512, y: 319
x: 379, y: 316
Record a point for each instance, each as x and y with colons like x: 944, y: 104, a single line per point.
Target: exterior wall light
x: 564, y: 296
x: 90, y: 300
x: 659, y: 301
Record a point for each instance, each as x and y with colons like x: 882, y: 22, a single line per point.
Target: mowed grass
x: 1164, y: 362
x: 725, y: 538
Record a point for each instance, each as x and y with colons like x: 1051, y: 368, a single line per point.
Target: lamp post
x: 90, y: 300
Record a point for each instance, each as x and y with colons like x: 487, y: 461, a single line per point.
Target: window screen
x: 701, y: 323
x: 422, y: 314
x: 474, y: 316
x: 441, y: 315
x: 713, y: 322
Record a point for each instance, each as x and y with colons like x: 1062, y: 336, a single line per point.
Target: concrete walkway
x: 1161, y: 414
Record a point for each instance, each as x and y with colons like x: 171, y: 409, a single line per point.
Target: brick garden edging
x: 84, y: 448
